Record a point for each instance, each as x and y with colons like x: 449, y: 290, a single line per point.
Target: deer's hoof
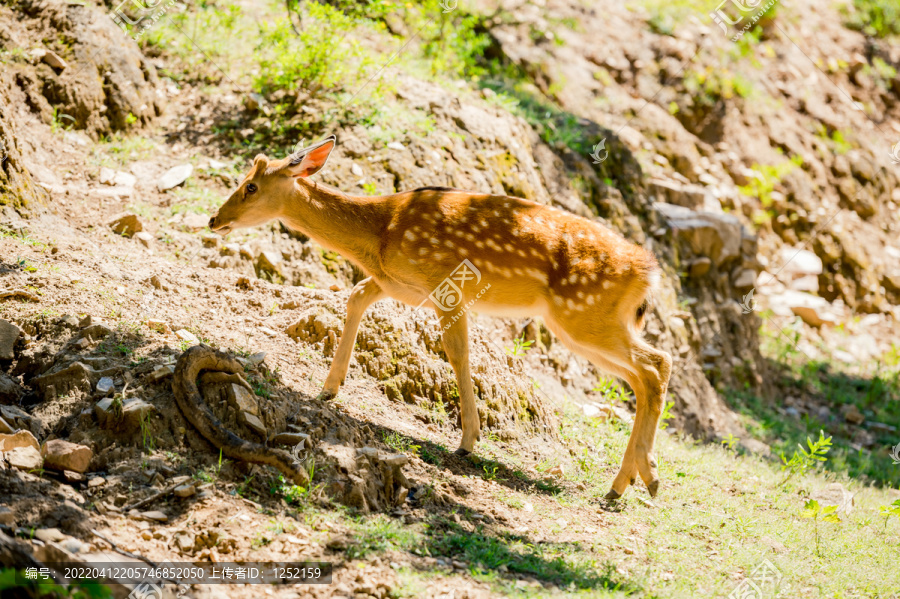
x: 462, y: 452
x: 653, y: 487
x: 612, y: 495
x: 326, y: 396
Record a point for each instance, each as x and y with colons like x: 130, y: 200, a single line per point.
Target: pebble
x: 186, y: 335
x: 174, y: 177
x: 105, y: 385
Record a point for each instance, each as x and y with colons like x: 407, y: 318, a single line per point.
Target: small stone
x: 835, y: 494
x: 290, y: 439
x: 145, y: 238
x: 187, y: 336
x: 17, y: 440
x: 9, y: 334
x: 396, y: 459
x: 210, y: 241
x: 24, y: 458
x: 105, y: 385
x: 335, y: 288
x: 269, y: 261
x: 185, y: 491
x: 49, y: 535
x: 244, y: 400
x: 745, y: 279
x: 174, y: 177
x: 159, y: 373
x: 63, y: 455
x: 97, y: 481
x: 7, y: 517
x: 257, y: 358
x: 5, y: 427
x: 356, y: 170
x: 700, y: 267
x: 109, y: 176
x: 54, y: 60
x: 557, y: 470
x: 155, y: 515
x: 127, y: 225
x: 159, y: 326
x: 254, y: 101
x: 195, y: 221
x: 396, y: 145
x: 254, y: 423
x: 852, y: 414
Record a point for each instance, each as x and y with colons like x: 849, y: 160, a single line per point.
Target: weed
x: 804, y: 459
x: 399, y: 443
x: 520, y: 346
x: 813, y: 510
x: 877, y: 18
x: 666, y: 415
x: 889, y: 510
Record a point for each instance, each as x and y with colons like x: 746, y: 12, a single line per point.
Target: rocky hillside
x: 761, y: 171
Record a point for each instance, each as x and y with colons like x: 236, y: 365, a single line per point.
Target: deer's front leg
x: 456, y: 345
x: 364, y: 294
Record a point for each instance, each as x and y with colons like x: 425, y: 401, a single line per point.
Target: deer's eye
x: 251, y: 188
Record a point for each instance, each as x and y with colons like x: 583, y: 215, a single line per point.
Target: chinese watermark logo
x: 146, y: 13
x: 600, y: 147
x: 895, y: 153
x: 748, y: 304
x: 762, y: 582
x: 895, y: 453
x: 448, y: 294
x: 749, y: 12
x: 449, y: 5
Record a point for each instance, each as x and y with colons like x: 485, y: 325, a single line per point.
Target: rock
x: 290, y: 439
x: 314, y: 325
x: 396, y: 145
x: 9, y: 334
x: 799, y: 263
x: 835, y: 494
x: 5, y: 427
x: 254, y: 423
x: 852, y: 414
x: 257, y: 358
x: 187, y: 336
x: 109, y: 176
x: 159, y: 326
x: 210, y: 241
x: 23, y: 458
x: 126, y: 224
x: 269, y: 262
x: 105, y: 385
x: 20, y: 439
x: 590, y: 410
x: 155, y: 515
x: 395, y: 459
x: 7, y: 517
x: 184, y: 541
x: 97, y: 481
x: 159, y: 373
x: 195, y: 221
x: 815, y: 317
x: 557, y: 470
x: 49, y: 535
x: 53, y: 59
x: 75, y: 377
x: 745, y: 279
x: 185, y: 491
x: 10, y: 390
x: 717, y: 236
x: 125, y: 417
x: 699, y: 267
x: 254, y: 101
x: 145, y: 238
x: 62, y: 455
x: 174, y: 177
x: 808, y: 283
x: 243, y: 399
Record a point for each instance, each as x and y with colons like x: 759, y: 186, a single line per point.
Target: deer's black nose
x: 212, y: 223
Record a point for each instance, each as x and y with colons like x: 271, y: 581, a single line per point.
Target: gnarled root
x: 184, y: 386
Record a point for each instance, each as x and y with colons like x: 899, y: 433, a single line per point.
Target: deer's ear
x: 310, y: 161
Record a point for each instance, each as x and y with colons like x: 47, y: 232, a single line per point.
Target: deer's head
x: 264, y: 193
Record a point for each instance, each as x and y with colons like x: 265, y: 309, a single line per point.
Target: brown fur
x: 587, y: 282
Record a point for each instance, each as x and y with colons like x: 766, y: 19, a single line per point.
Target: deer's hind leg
x: 455, y: 337
x: 364, y: 294
x: 618, y: 349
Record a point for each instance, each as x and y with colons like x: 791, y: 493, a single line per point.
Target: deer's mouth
x: 221, y: 229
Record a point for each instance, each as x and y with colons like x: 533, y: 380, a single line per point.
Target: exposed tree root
x: 184, y: 385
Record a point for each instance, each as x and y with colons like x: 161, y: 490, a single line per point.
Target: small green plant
x: 370, y: 187
x: 611, y: 390
x: 816, y: 512
x: 490, y: 470
x: 399, y: 443
x: 520, y: 346
x: 889, y: 510
x: 147, y: 434
x: 877, y: 18
x: 767, y: 177
x: 804, y: 459
x: 666, y: 415
x: 730, y: 441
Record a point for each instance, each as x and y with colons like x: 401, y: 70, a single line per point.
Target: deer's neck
x: 350, y: 225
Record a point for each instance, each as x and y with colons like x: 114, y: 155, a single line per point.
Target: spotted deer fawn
x: 449, y: 249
